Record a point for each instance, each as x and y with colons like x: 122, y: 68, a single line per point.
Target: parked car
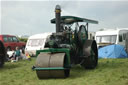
x: 11, y: 42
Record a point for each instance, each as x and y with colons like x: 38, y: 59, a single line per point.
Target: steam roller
x: 66, y: 47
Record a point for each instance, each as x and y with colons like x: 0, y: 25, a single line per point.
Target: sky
x: 33, y: 17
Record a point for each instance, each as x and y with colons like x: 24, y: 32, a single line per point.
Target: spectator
x: 17, y: 53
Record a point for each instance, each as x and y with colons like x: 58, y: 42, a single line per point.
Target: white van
x: 36, y: 42
x: 111, y: 36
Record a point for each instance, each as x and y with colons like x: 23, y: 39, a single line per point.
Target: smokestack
x: 58, y: 15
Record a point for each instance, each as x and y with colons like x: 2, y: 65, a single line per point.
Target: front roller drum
x: 48, y: 62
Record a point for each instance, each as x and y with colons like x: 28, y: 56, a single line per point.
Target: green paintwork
x: 53, y: 68
x: 73, y: 19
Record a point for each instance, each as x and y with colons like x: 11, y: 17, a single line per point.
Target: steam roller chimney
x: 58, y: 16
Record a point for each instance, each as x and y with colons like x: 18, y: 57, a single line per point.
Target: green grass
x: 108, y: 72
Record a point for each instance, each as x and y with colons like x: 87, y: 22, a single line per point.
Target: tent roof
x: 112, y: 51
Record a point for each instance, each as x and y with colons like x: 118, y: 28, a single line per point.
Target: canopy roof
x: 72, y: 19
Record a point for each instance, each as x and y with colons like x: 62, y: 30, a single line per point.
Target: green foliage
x: 101, y: 29
x: 108, y: 72
x: 23, y: 39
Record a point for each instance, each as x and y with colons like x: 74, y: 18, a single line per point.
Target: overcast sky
x: 32, y: 17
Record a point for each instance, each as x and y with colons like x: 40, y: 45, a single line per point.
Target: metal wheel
x: 48, y: 60
x: 90, y: 50
x: 82, y: 34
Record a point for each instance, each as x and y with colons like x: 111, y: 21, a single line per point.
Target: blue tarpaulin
x: 112, y: 51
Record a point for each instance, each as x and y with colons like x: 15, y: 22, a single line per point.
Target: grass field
x: 108, y: 72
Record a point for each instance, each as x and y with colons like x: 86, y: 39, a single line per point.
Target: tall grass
x: 108, y: 72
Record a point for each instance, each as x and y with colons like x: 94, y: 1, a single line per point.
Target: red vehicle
x: 11, y: 42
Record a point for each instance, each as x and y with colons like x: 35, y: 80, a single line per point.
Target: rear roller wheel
x: 90, y: 50
x: 48, y: 60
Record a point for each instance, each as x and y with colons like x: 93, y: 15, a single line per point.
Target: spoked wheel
x: 46, y: 61
x: 91, y: 53
x: 2, y: 54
